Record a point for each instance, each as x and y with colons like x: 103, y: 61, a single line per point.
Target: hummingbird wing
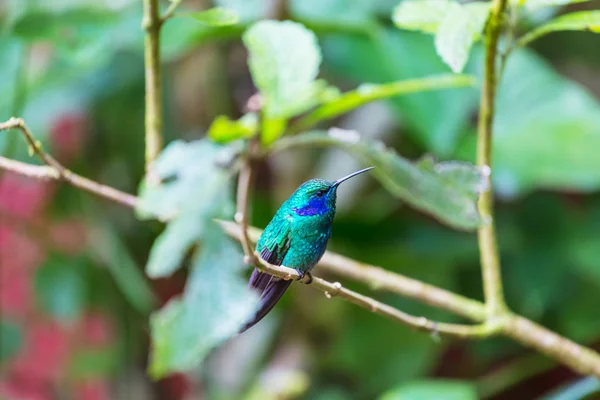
x: 273, y: 246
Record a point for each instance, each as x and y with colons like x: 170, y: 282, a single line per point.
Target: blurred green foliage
x: 65, y: 58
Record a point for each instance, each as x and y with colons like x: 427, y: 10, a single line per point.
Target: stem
x: 170, y: 10
x: 241, y: 216
x: 490, y: 260
x: 579, y: 358
x: 154, y: 123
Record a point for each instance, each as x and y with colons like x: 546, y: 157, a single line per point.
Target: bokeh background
x: 74, y: 300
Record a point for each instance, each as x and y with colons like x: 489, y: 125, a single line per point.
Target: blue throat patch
x: 316, y: 206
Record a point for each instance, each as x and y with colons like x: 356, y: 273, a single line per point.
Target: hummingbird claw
x: 303, y: 275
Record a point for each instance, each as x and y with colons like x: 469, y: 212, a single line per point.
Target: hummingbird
x: 296, y: 238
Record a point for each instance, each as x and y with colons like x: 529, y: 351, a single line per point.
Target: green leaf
x: 60, y: 289
x: 224, y: 130
x: 366, y: 93
x: 446, y: 190
x: 216, y: 16
x: 422, y: 15
x: 215, y: 305
x: 457, y: 32
x: 577, y: 21
x: 11, y: 340
x: 432, y: 390
x: 195, y: 191
x: 546, y: 131
x: 284, y: 60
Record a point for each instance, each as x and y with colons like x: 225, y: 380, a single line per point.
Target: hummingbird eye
x: 319, y: 193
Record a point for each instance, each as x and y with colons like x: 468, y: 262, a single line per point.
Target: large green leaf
x: 546, y: 131
x: 284, y: 59
x: 446, y: 190
x: 214, y: 306
x: 432, y: 390
x: 577, y: 21
x: 196, y: 189
x: 434, y: 119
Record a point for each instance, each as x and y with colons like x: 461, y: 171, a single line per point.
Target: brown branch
x: 579, y: 358
x: 154, y: 123
x: 488, y: 247
x: 54, y: 170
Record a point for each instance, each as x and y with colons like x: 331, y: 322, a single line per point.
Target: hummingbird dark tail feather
x: 271, y: 289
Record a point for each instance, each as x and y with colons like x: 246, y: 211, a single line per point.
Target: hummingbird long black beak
x: 345, y: 178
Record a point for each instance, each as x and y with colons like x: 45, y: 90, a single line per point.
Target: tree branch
x: 490, y: 260
x: 154, y: 123
x: 579, y: 358
x: 54, y: 170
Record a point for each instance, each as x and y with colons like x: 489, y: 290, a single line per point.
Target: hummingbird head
x: 318, y: 196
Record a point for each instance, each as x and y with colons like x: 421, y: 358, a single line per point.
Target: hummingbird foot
x: 307, y: 275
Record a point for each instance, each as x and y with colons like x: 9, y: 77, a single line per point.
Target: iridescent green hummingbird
x: 296, y: 237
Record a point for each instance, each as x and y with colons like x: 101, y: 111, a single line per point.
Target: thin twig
x: 488, y: 247
x: 170, y: 10
x: 154, y: 122
x: 241, y: 216
x: 54, y: 170
x: 513, y: 21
